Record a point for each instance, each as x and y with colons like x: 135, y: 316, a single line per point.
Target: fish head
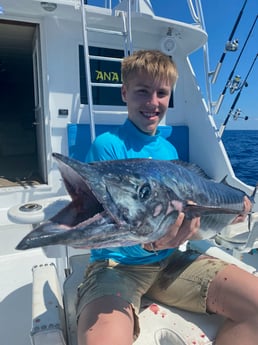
x: 143, y: 203
x: 132, y: 192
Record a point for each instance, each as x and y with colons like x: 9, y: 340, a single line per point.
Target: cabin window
x: 103, y: 72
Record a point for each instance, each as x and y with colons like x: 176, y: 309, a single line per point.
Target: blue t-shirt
x: 129, y: 142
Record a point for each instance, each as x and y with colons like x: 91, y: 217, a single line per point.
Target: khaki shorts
x: 180, y: 281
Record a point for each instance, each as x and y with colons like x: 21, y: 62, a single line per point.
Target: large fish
x: 126, y: 202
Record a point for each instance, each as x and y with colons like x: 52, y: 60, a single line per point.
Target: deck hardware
x: 30, y: 207
x: 48, y: 6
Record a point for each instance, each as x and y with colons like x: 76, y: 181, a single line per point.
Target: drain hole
x: 30, y: 207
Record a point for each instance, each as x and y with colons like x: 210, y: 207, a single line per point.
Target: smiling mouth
x: 149, y: 115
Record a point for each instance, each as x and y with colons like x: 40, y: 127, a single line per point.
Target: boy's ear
x: 123, y: 93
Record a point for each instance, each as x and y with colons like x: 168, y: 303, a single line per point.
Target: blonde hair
x: 152, y: 62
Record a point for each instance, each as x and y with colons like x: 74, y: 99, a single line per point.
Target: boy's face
x: 147, y: 101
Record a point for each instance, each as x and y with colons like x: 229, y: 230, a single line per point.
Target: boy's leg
x: 109, y: 300
x: 185, y: 280
x: 205, y: 284
x: 108, y: 320
x: 233, y: 293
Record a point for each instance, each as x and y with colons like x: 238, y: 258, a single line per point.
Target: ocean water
x: 242, y: 148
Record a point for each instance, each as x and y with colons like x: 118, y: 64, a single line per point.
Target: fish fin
x: 224, y: 180
x: 192, y: 167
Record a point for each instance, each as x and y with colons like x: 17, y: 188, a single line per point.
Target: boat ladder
x: 126, y: 33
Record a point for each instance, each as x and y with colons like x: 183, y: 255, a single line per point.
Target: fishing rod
x: 230, y: 45
x: 222, y: 95
x: 223, y: 126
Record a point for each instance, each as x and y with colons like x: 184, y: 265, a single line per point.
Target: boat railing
x: 197, y: 15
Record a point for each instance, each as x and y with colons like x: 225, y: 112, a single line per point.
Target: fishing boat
x: 60, y: 87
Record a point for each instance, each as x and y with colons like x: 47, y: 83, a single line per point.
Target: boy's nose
x: 154, y: 99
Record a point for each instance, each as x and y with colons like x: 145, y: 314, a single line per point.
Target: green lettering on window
x: 99, y: 75
x: 107, y: 76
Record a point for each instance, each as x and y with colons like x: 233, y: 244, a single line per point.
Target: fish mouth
x: 86, y: 210
x: 87, y: 205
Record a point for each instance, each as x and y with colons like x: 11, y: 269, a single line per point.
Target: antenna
x: 221, y: 97
x: 230, y: 45
x: 223, y: 126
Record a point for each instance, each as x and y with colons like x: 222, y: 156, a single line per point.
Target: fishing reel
x: 231, y: 46
x: 235, y: 84
x: 237, y: 116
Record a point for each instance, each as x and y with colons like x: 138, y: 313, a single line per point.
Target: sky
x: 220, y: 17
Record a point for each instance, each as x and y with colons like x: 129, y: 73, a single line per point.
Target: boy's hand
x: 247, y: 208
x: 179, y: 232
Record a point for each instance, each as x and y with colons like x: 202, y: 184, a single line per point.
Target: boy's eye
x: 143, y: 91
x: 163, y: 93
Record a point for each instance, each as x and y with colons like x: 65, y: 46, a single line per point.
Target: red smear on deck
x: 154, y: 308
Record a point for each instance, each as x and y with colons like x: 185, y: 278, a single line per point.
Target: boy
x: 109, y: 298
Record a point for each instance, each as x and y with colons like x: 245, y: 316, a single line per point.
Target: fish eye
x: 144, y: 192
